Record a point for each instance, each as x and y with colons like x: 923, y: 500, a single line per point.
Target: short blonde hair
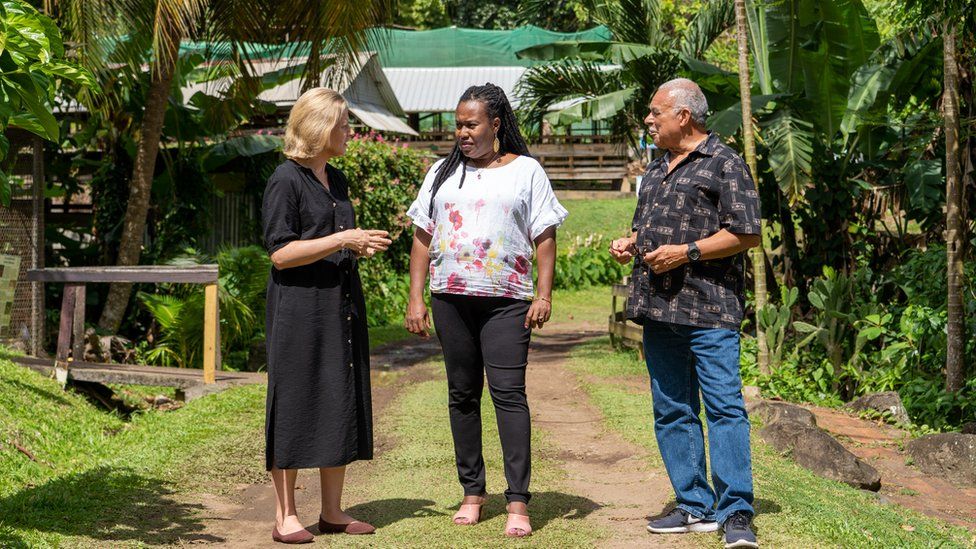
x: 310, y: 124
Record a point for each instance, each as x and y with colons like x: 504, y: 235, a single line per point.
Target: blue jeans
x: 682, y: 360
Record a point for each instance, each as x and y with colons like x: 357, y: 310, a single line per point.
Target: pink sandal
x: 517, y: 526
x: 469, y: 513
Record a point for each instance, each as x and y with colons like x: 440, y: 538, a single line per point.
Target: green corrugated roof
x: 447, y: 47
x: 458, y: 47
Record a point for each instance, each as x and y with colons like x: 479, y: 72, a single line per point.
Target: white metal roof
x: 437, y: 89
x: 365, y: 87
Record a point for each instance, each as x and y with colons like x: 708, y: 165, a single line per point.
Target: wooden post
x: 64, y: 334
x: 37, y: 250
x: 78, y: 324
x: 210, y: 329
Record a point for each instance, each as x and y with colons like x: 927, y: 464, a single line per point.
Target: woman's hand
x: 356, y: 240
x: 417, y: 320
x: 379, y: 241
x: 539, y: 313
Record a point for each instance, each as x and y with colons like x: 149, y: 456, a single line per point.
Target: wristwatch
x: 694, y: 254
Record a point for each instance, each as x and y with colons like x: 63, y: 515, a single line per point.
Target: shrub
x: 384, y: 178
x: 587, y: 263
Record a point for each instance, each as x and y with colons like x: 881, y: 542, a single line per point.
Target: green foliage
x: 177, y: 312
x: 587, y: 263
x: 384, y: 178
x: 775, y: 319
x: 32, y: 64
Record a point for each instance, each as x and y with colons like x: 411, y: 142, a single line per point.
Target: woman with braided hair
x: 478, y: 215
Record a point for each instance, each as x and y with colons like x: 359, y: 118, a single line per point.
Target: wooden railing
x: 623, y: 331
x: 71, y: 332
x: 568, y: 161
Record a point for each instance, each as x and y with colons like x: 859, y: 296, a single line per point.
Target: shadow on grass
x: 37, y: 390
x: 385, y: 512
x: 545, y: 507
x: 107, y: 504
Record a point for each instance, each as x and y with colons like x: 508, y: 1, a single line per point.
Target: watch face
x: 694, y: 253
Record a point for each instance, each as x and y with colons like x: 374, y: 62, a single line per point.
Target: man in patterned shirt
x: 698, y: 210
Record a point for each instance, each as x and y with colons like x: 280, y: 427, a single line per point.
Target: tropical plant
x: 120, y: 36
x: 177, y: 311
x: 32, y: 64
x: 613, y: 80
x: 774, y: 320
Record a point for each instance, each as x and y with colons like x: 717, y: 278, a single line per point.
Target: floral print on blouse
x: 482, y: 233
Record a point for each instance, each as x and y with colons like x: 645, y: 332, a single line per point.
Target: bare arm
x: 719, y: 245
x: 545, y: 256
x: 417, y: 319
x: 303, y: 252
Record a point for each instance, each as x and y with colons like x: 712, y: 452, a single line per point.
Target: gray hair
x: 686, y: 94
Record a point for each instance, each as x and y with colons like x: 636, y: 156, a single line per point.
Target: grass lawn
x: 102, y: 480
x: 795, y: 507
x: 608, y: 217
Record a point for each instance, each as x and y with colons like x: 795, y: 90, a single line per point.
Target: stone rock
x: 771, y: 412
x: 93, y: 347
x: 751, y: 392
x: 888, y: 402
x: 117, y: 349
x: 814, y: 449
x: 969, y: 428
x: 948, y: 455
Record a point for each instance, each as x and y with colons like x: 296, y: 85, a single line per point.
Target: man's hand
x: 623, y: 250
x: 667, y: 257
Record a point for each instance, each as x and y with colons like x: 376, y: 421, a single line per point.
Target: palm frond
x: 543, y: 86
x: 790, y: 143
x: 715, y: 18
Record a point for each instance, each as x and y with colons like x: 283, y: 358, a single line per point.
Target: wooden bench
x: 71, y: 330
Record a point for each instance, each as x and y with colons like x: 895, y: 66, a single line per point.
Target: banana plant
x: 32, y: 61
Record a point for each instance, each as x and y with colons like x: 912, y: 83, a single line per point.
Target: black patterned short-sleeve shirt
x: 711, y: 189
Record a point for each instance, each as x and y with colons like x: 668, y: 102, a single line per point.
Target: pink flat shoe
x: 469, y: 513
x: 517, y: 526
x: 301, y: 536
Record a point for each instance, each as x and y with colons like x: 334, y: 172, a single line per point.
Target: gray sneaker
x: 737, y: 531
x: 680, y: 521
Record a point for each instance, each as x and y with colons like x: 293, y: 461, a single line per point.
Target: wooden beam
x: 78, y: 323
x: 210, y: 329
x: 198, y: 274
x: 139, y: 374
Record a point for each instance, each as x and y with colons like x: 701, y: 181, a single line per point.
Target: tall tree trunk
x: 955, y: 341
x: 757, y: 254
x: 134, y: 224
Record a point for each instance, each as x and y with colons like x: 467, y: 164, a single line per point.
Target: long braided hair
x: 509, y: 137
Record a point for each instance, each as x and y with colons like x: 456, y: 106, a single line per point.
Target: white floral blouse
x: 482, y: 233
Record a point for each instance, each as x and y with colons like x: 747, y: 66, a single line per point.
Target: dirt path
x: 600, y: 464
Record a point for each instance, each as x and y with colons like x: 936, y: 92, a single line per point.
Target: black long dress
x: 319, y: 412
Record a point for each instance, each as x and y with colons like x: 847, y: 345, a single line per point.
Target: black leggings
x: 486, y: 335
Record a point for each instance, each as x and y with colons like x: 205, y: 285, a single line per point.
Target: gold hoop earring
x: 496, y: 145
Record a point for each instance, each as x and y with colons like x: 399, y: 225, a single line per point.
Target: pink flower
x: 455, y: 284
x: 456, y: 219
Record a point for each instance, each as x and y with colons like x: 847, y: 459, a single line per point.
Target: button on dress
x: 319, y: 412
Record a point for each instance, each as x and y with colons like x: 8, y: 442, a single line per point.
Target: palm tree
x: 956, y: 321
x: 758, y: 253
x: 116, y: 35
x: 613, y: 80
x: 953, y: 15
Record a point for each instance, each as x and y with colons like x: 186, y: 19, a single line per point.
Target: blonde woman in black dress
x: 318, y: 409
